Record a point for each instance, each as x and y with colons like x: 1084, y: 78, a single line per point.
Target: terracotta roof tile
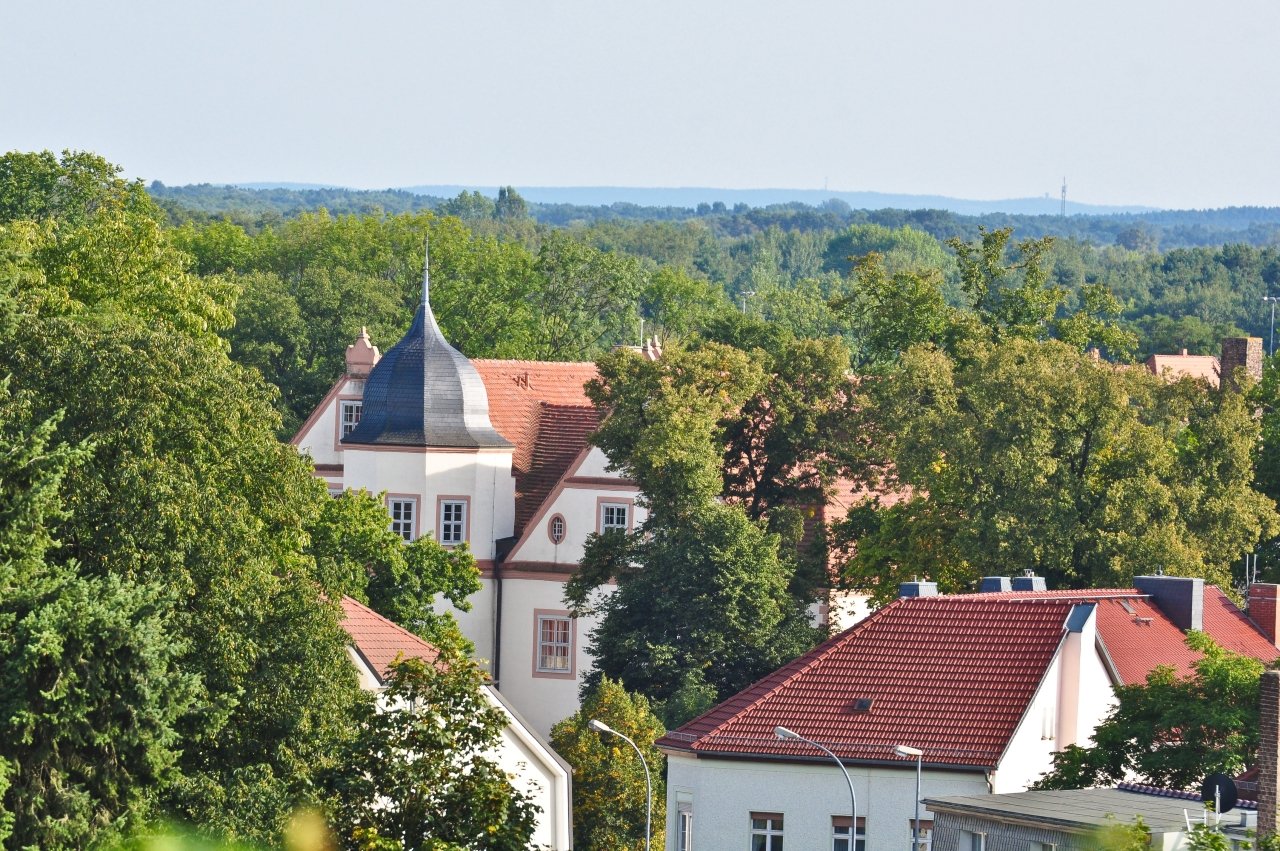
x: 1139, y: 637
x: 380, y: 641
x: 542, y: 408
x: 1180, y: 366
x: 950, y: 675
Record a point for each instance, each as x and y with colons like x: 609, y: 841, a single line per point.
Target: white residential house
x: 988, y: 686
x: 523, y: 754
x: 492, y: 453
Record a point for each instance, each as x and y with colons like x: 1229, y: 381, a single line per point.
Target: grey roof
x: 1080, y: 810
x: 424, y: 392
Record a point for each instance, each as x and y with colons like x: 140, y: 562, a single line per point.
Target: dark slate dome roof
x: 424, y: 392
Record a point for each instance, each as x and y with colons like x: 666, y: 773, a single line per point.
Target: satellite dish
x: 1219, y: 790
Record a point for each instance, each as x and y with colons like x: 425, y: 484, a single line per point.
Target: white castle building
x: 493, y: 454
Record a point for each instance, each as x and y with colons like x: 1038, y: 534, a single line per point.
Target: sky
x: 1168, y: 104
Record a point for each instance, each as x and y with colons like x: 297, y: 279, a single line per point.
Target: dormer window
x: 348, y: 416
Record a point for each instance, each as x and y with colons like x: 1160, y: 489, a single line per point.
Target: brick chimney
x: 1240, y: 353
x: 1268, y: 745
x: 1263, y: 609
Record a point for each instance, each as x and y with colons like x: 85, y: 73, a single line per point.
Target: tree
x: 1172, y: 731
x: 587, y: 299
x: 356, y: 553
x: 608, y: 780
x: 1030, y: 455
x: 419, y: 775
x: 90, y: 689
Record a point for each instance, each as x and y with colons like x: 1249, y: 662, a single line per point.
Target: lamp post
x: 601, y: 727
x: 784, y: 733
x: 903, y: 750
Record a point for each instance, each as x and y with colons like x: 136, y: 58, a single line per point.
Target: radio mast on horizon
x: 1064, y: 197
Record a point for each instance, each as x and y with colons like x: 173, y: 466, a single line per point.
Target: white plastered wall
x: 542, y: 699
x: 319, y: 438
x: 724, y: 793
x: 535, y: 771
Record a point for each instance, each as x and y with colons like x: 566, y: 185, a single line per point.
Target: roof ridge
x: 538, y: 362
x: 389, y: 622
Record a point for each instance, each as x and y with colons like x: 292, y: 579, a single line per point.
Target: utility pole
x: 746, y: 294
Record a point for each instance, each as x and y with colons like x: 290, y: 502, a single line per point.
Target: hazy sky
x: 1171, y: 104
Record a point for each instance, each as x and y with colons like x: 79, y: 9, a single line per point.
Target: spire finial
x: 426, y: 272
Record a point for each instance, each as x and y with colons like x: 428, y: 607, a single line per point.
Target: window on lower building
x: 349, y: 417
x: 684, y: 828
x: 1042, y: 846
x: 453, y: 522
x: 840, y: 834
x: 926, y: 833
x: 613, y: 515
x: 972, y: 841
x: 404, y: 515
x: 766, y: 832
x: 555, y: 644
x: 556, y: 528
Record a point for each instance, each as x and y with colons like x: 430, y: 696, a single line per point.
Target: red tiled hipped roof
x: 950, y: 675
x: 542, y: 408
x: 380, y: 641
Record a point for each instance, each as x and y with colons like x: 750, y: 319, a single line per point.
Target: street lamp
x: 904, y: 751
x: 784, y: 733
x: 1273, y: 299
x: 601, y: 727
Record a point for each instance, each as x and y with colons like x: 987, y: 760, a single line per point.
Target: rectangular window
x: 613, y: 515
x: 766, y: 832
x: 349, y: 416
x: 926, y: 833
x: 972, y: 841
x: 453, y: 522
x: 684, y: 828
x: 404, y: 514
x: 555, y: 644
x: 840, y: 834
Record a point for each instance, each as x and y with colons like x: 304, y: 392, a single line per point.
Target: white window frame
x: 607, y: 508
x: 840, y: 834
x: 684, y: 827
x: 926, y: 833
x: 349, y: 412
x: 769, y: 831
x: 970, y: 841
x: 404, y: 526
x: 554, y: 647
x: 551, y: 529
x: 452, y: 530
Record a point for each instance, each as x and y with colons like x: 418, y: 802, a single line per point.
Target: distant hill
x: 691, y: 197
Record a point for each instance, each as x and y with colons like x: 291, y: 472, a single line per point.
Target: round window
x: 555, y: 529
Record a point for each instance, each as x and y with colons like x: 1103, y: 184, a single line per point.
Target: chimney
x: 1028, y: 582
x: 1268, y: 744
x: 1262, y: 608
x: 1240, y: 353
x: 1181, y: 598
x: 1182, y: 352
x: 918, y: 588
x: 362, y: 355
x: 992, y: 584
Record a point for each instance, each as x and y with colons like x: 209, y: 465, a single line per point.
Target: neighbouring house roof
x: 1138, y: 636
x: 379, y: 641
x: 951, y: 675
x: 1184, y: 365
x: 424, y: 392
x: 542, y: 408
x: 1083, y: 810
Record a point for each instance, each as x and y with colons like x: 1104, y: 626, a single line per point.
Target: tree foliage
x: 608, y: 779
x: 1172, y: 731
x: 420, y: 774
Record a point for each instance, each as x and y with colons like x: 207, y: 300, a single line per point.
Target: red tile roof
x: 541, y: 407
x: 1184, y: 365
x: 380, y: 641
x: 950, y: 675
x: 1138, y: 636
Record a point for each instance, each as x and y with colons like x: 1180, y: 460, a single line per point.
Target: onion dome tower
x: 424, y: 392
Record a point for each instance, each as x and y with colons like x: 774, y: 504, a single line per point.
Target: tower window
x: 404, y: 516
x: 349, y: 416
x: 453, y: 521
